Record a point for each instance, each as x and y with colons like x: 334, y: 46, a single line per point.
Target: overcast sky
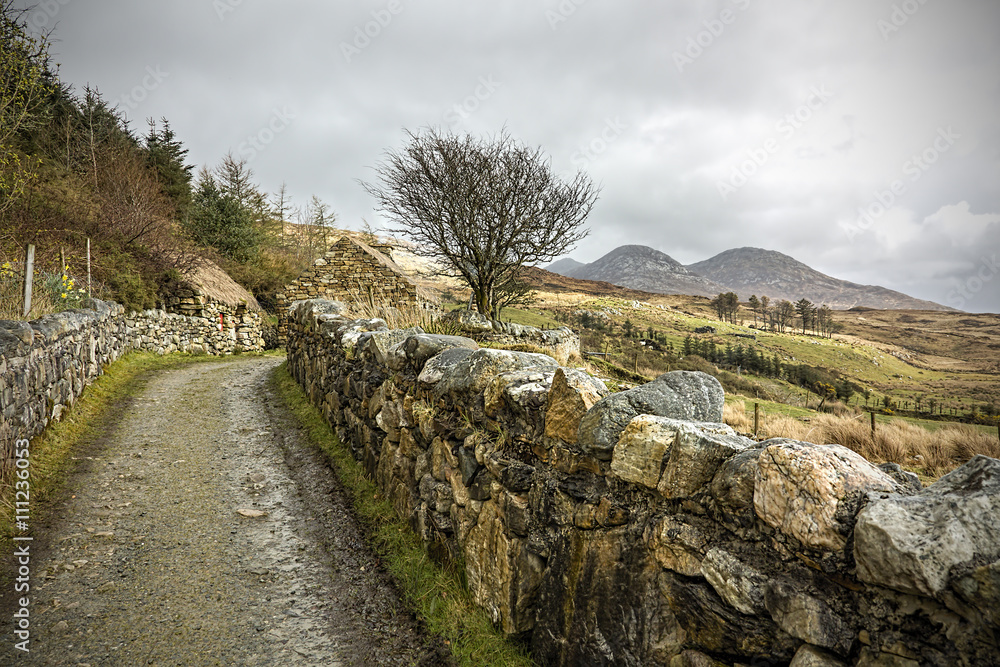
x: 709, y: 125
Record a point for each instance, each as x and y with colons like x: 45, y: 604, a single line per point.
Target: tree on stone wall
x: 483, y: 207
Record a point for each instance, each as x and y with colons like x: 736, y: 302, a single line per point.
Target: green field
x: 877, y: 367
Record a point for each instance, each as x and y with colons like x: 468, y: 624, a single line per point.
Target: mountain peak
x: 763, y: 272
x: 643, y: 268
x: 747, y: 270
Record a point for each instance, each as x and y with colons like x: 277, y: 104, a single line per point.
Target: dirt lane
x: 203, y: 531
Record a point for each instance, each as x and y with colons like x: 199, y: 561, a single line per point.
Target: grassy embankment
x: 927, y: 447
x: 438, y: 594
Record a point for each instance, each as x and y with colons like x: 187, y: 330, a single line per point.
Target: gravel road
x: 203, y: 530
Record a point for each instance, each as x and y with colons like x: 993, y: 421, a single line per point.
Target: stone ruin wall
x: 347, y: 273
x: 634, y: 529
x: 46, y: 363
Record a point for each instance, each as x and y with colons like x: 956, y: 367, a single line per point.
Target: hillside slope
x: 757, y: 271
x: 565, y: 267
x: 643, y: 268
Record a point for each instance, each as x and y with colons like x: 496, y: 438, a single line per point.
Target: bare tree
x: 784, y: 312
x: 321, y: 219
x: 484, y: 208
x: 280, y: 208
x: 132, y: 202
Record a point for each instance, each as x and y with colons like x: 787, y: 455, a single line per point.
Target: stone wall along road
x: 202, y: 530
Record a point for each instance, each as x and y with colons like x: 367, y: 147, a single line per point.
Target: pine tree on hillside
x: 783, y: 314
x: 805, y: 310
x: 165, y: 155
x: 219, y: 220
x: 754, y: 304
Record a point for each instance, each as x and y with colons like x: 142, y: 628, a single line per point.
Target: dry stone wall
x: 349, y: 272
x: 46, y: 363
x: 561, y: 342
x: 635, y: 529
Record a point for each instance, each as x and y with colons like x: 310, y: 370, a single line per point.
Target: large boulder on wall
x: 690, y: 395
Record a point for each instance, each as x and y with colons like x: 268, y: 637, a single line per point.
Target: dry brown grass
x: 43, y: 300
x: 932, y: 453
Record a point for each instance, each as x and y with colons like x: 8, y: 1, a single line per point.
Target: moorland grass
x: 928, y: 453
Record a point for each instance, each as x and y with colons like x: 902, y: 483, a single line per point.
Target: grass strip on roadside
x: 438, y: 595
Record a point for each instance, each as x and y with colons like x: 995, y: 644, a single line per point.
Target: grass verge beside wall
x: 437, y: 595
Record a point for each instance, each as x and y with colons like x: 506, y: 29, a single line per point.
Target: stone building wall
x: 634, y: 529
x: 46, y: 363
x: 349, y: 272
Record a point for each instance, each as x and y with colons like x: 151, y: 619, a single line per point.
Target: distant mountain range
x: 644, y: 268
x: 745, y: 271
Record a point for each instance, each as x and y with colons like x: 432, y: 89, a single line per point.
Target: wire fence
x: 28, y: 291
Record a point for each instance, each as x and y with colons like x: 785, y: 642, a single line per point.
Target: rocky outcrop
x: 812, y: 492
x: 926, y: 543
x: 675, y: 541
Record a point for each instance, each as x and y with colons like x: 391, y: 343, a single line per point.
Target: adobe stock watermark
x: 278, y: 122
x: 898, y: 17
x: 585, y: 154
x: 22, y: 546
x: 154, y: 77
x: 786, y: 127
x: 43, y: 13
x: 563, y: 12
x: 223, y: 7
x: 964, y: 290
x: 469, y: 105
x: 914, y: 168
x: 704, y: 39
x: 364, y: 34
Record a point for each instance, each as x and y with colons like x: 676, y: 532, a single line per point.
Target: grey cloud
x: 561, y: 83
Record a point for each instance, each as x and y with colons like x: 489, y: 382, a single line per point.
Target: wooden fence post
x: 29, y: 269
x: 872, y: 413
x: 89, y: 294
x: 756, y: 418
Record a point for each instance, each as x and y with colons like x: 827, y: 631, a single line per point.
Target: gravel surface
x: 203, y: 530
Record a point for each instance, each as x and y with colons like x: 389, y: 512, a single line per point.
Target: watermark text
x: 913, y: 168
x: 278, y: 122
x: 364, y: 34
x: 22, y: 546
x: 786, y: 127
x: 698, y: 43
